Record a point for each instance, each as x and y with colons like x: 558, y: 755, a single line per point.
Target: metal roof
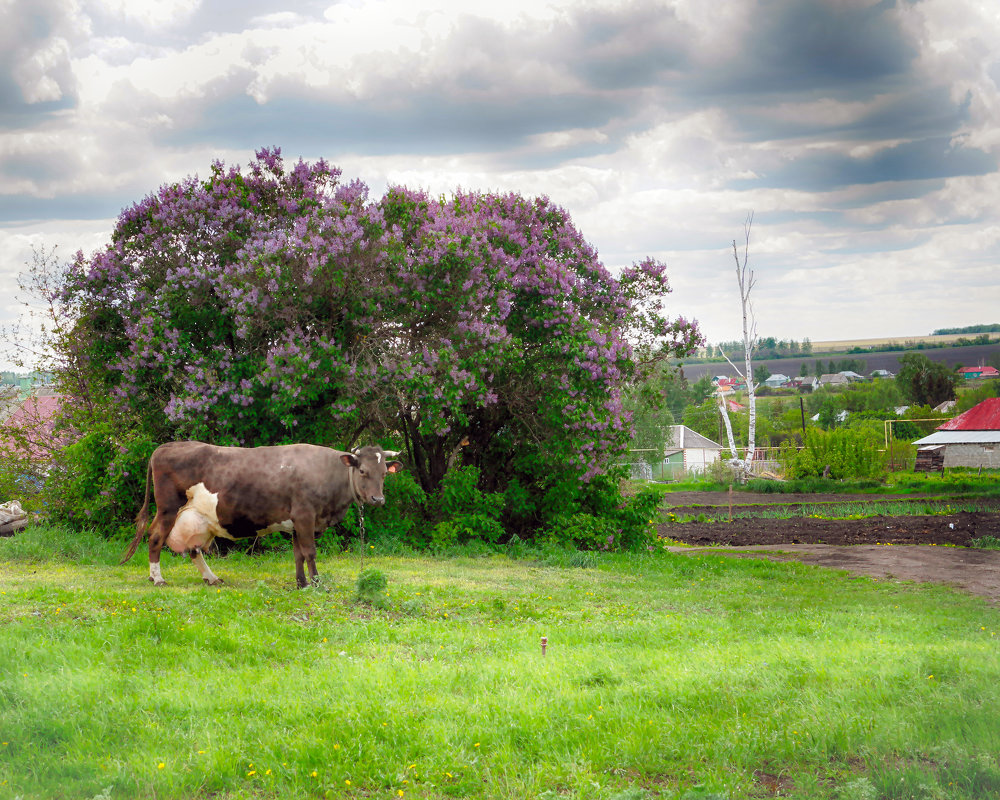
x: 681, y: 437
x: 961, y: 437
x: 982, y: 417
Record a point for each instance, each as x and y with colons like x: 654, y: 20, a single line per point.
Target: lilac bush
x: 275, y: 305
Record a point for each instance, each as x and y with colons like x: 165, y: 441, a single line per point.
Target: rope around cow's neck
x: 361, y: 514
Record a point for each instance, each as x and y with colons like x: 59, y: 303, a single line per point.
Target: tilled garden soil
x: 954, y: 529
x: 859, y: 546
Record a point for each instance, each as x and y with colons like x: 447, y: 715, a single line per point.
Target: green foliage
x: 464, y: 512
x: 99, y: 482
x: 925, y: 382
x: 371, y: 586
x: 843, y: 453
x: 706, y: 419
x: 402, y: 516
x: 974, y: 396
x: 987, y: 543
x: 602, y: 519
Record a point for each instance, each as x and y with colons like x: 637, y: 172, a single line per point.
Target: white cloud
x: 149, y: 15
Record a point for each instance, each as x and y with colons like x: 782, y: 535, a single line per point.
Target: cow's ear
x: 349, y: 459
x: 394, y: 466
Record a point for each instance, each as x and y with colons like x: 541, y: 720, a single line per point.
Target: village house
x: 687, y: 451
x: 971, y: 439
x: 971, y: 373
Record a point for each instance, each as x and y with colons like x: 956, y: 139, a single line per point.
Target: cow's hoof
x: 214, y: 582
x: 160, y: 582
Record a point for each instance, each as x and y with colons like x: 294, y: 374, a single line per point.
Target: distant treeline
x: 767, y: 348
x: 770, y: 349
x: 890, y: 347
x: 994, y: 328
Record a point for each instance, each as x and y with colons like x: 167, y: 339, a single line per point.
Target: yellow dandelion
x: 251, y: 773
x: 337, y: 745
x: 161, y: 765
x: 313, y: 774
x: 347, y: 783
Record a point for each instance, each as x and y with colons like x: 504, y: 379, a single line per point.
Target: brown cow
x: 203, y: 491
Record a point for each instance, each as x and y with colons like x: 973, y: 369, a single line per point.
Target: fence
x: 765, y: 462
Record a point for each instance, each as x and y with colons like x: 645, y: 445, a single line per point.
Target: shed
x: 687, y: 451
x: 832, y: 379
x: 777, y: 380
x: 971, y: 439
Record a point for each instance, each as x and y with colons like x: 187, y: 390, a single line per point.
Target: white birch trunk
x: 729, y: 425
x: 745, y: 279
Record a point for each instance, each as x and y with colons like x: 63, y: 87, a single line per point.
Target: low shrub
x: 603, y: 519
x: 99, y: 482
x: 838, y: 454
x: 371, y: 588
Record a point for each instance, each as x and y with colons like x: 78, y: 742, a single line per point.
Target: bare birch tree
x: 746, y: 280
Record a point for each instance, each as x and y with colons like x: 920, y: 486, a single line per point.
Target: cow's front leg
x: 206, y: 573
x: 305, y: 547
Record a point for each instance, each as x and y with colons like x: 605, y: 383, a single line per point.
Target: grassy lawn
x: 666, y: 676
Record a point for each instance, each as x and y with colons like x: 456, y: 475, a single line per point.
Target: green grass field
x: 666, y: 676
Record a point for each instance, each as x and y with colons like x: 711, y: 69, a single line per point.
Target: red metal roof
x: 983, y: 417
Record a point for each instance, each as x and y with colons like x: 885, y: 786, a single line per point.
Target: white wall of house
x: 972, y: 455
x: 697, y: 459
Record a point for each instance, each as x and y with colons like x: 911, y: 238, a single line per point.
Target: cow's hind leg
x: 157, y: 536
x: 206, y: 573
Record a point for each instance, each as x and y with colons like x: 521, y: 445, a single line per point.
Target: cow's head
x: 370, y: 464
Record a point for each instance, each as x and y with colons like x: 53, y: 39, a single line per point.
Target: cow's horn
x: 392, y: 453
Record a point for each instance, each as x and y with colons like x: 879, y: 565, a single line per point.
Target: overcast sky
x: 863, y: 135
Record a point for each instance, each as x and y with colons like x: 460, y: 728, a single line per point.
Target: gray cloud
x: 796, y: 47
x: 919, y: 160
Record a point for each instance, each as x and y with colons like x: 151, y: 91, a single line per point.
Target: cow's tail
x: 141, y: 521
